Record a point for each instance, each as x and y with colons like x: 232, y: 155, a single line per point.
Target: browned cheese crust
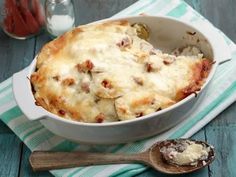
x: 104, y: 73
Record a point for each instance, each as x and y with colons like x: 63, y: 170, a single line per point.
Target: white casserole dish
x: 166, y: 34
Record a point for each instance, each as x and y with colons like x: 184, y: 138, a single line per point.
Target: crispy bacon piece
x: 61, y: 112
x: 149, y: 67
x: 89, y: 65
x: 85, y: 66
x: 106, y: 84
x: 100, y: 118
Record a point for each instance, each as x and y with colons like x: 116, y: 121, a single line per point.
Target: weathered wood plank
x: 25, y: 168
x: 4, y: 129
x: 15, y: 55
x: 220, y: 13
x: 90, y: 10
x: 221, y: 133
x: 226, y: 118
x: 10, y: 148
x: 223, y: 139
x: 202, y: 173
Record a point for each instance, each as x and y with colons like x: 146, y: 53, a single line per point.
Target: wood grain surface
x: 15, y: 55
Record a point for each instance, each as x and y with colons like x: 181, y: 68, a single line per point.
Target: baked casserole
x: 109, y: 72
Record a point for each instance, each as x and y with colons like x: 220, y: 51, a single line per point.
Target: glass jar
x: 59, y: 16
x: 22, y: 19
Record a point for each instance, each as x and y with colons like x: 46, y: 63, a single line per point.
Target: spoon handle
x: 46, y: 160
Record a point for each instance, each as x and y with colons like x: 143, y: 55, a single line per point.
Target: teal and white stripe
x: 221, y: 93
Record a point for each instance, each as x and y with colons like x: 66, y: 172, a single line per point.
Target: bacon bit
x: 138, y: 80
x: 139, y: 114
x: 149, y: 67
x: 100, y: 118
x: 85, y: 66
x: 89, y: 65
x: 79, y: 67
x: 85, y: 87
x: 125, y: 42
x: 191, y: 33
x: 68, y: 82
x: 56, y: 78
x: 105, y: 83
x: 62, y: 112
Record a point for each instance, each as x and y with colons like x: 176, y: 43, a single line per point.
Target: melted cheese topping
x: 105, y: 72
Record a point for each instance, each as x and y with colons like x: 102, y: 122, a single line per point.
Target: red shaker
x: 22, y: 18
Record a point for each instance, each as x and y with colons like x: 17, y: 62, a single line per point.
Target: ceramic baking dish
x: 166, y: 34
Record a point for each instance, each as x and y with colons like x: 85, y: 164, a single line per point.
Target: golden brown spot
x: 192, y: 88
x: 68, y: 82
x: 85, y: 66
x: 34, y: 77
x: 56, y: 78
x: 85, y: 87
x: 142, y: 101
x: 123, y: 110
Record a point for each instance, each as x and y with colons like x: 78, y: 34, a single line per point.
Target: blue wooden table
x: 15, y: 55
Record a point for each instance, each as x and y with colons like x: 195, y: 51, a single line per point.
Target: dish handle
x: 24, y: 97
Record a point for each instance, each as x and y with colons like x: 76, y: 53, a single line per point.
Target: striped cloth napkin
x: 221, y: 93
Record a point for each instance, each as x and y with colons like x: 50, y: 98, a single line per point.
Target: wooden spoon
x: 42, y: 160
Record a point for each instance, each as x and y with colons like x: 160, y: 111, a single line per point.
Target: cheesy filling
x: 106, y: 72
x: 186, y: 153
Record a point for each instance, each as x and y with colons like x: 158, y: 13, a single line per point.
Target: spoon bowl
x: 159, y: 163
x: 48, y: 160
